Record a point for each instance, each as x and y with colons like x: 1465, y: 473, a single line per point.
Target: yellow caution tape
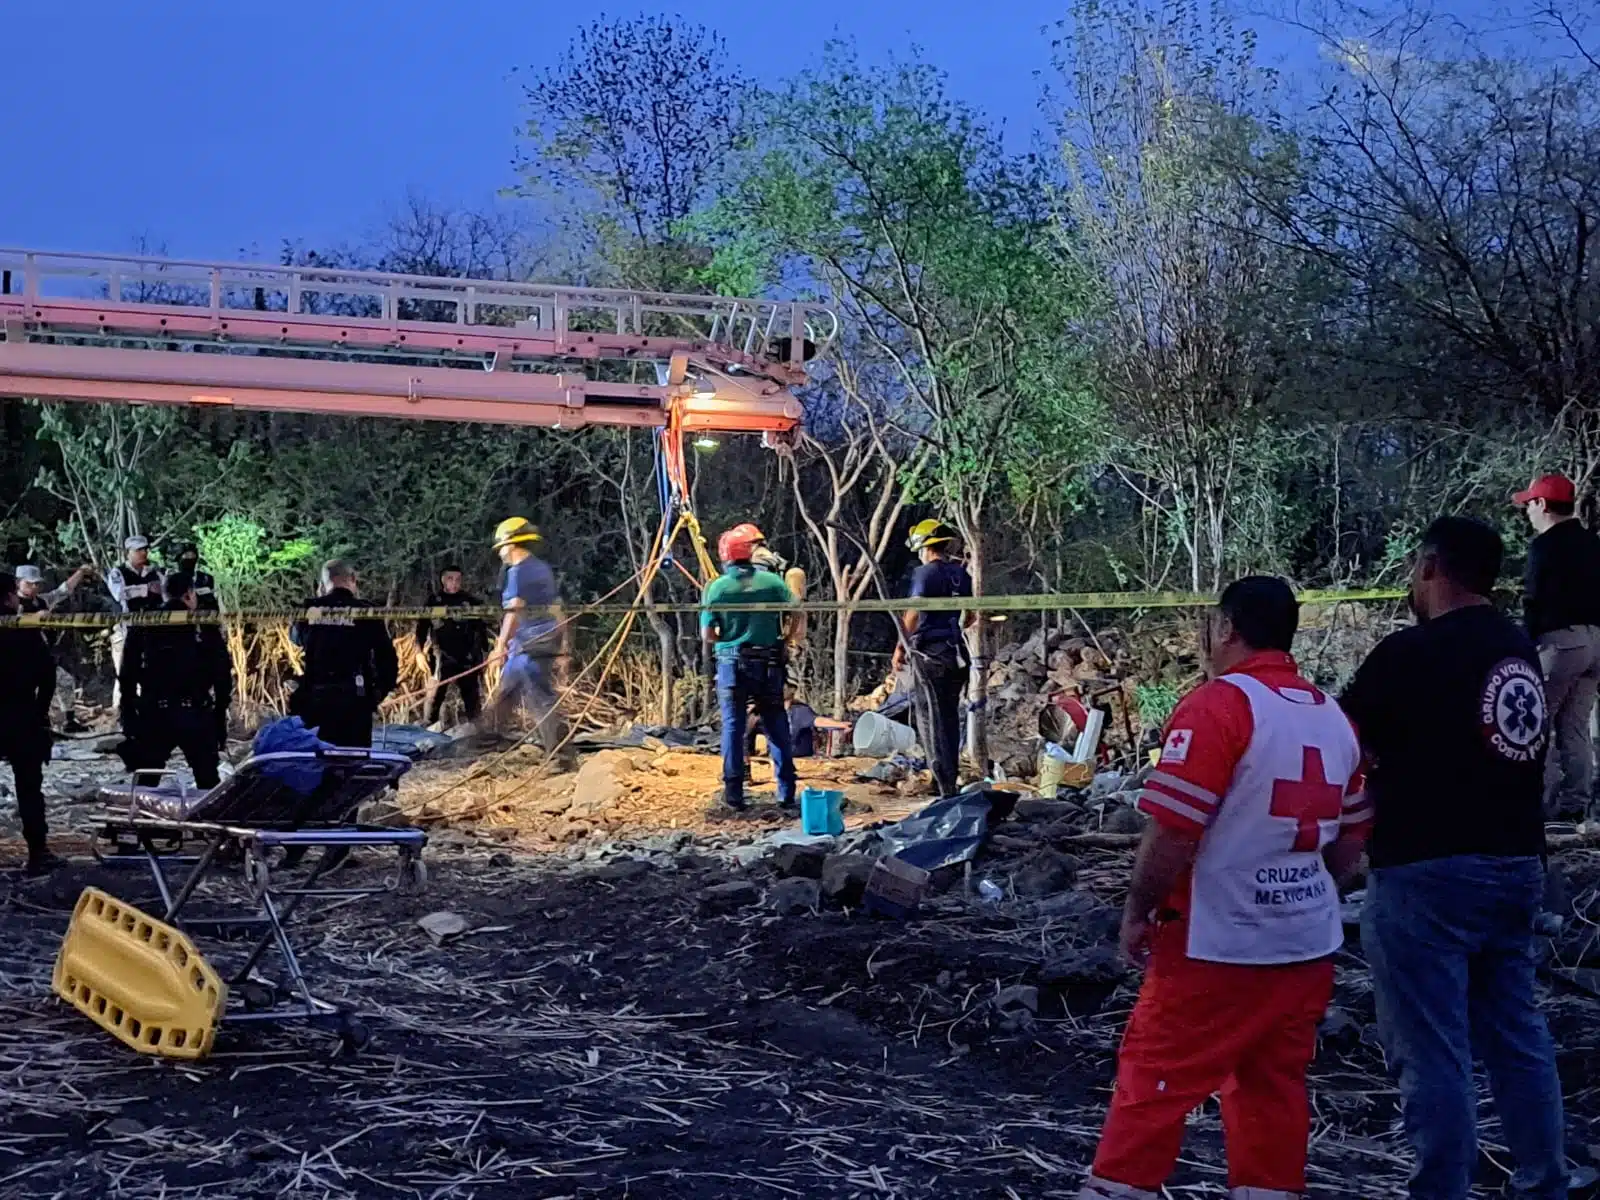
x: 1048, y: 602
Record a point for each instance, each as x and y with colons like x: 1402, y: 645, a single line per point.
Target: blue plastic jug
x: 819, y: 812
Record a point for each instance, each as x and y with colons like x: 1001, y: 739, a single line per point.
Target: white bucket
x: 878, y: 737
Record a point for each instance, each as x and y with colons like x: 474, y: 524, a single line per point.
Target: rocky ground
x: 664, y: 1005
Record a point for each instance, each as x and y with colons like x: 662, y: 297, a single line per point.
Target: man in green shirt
x: 751, y: 657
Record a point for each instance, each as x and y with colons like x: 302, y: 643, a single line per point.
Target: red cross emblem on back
x: 1309, y: 800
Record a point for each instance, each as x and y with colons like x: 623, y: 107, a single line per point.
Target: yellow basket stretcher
x: 256, y: 821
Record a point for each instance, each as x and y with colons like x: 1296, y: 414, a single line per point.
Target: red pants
x: 1199, y: 1028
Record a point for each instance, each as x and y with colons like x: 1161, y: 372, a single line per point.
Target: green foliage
x: 1155, y: 702
x: 103, y: 471
x: 249, y: 570
x: 903, y: 207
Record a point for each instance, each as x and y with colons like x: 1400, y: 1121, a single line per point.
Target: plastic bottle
x: 989, y: 890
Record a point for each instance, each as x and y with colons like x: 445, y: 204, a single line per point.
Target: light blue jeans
x: 1450, y: 943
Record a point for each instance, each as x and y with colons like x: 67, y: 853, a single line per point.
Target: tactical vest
x: 141, y: 590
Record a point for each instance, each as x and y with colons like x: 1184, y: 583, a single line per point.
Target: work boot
x: 1104, y: 1189
x: 735, y: 800
x: 42, y: 863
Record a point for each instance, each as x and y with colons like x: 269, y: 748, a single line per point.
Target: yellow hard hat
x: 928, y: 533
x: 513, y: 530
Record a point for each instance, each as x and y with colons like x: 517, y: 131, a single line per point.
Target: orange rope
x: 407, y: 697
x: 646, y: 576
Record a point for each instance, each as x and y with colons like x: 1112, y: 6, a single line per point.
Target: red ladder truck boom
x: 320, y: 339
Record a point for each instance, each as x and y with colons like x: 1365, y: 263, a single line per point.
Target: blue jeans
x: 741, y: 684
x: 529, y: 680
x: 1450, y: 943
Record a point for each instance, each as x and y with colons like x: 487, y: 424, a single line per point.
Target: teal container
x: 819, y: 812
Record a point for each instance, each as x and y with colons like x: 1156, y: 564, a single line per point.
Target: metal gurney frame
x: 246, y: 818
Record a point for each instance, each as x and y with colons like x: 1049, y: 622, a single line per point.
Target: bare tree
x: 1457, y: 189
x: 1160, y: 121
x: 862, y: 466
x: 633, y: 126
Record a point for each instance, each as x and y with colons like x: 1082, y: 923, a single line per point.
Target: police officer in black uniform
x: 350, y: 664
x: 454, y: 648
x: 177, y: 682
x: 205, y: 587
x: 31, y: 592
x: 29, y: 675
x: 135, y: 584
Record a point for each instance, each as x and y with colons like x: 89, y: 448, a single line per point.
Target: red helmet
x: 738, y: 544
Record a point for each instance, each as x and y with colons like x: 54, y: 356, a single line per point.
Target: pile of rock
x: 1024, y: 679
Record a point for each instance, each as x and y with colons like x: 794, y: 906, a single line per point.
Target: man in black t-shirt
x: 30, y: 676
x: 454, y: 649
x: 1452, y: 715
x: 940, y: 665
x: 1561, y: 602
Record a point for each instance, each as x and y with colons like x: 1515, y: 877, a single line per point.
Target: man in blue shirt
x: 530, y: 640
x: 940, y: 664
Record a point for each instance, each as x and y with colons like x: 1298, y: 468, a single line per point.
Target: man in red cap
x: 752, y: 654
x: 1561, y: 603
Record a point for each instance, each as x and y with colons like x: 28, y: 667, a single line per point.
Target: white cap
x: 136, y: 543
x: 28, y: 574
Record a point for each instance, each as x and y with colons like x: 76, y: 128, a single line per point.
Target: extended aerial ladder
x: 318, y: 339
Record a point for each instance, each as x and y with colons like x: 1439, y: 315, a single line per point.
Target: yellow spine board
x: 140, y: 980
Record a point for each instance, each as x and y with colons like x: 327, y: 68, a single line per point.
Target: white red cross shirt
x: 1265, y: 770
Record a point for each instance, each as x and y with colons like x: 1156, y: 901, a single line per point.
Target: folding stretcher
x: 263, y: 819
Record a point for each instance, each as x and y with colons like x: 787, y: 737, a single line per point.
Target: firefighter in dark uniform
x: 205, y: 587
x: 940, y: 663
x: 177, y: 682
x: 30, y: 678
x: 350, y: 665
x: 453, y: 648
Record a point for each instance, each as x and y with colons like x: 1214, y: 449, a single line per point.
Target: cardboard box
x: 895, y: 889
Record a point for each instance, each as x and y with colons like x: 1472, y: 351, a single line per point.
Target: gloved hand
x: 768, y: 560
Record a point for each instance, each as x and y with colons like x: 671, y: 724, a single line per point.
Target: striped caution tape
x: 1047, y: 602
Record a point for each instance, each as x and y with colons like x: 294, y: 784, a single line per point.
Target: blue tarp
x: 290, y: 736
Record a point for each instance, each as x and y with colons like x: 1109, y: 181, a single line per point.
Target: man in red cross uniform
x: 1256, y: 808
